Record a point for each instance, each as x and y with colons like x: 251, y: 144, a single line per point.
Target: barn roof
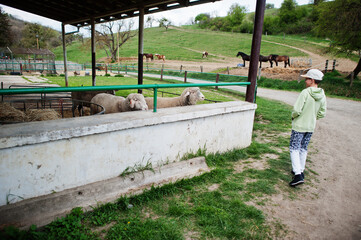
x: 79, y: 12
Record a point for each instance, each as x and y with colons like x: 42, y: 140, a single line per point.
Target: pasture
x: 180, y: 43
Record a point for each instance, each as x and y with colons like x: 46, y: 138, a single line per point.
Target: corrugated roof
x: 79, y: 12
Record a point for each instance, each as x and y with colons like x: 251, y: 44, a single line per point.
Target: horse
x: 277, y: 58
x: 160, y: 57
x: 148, y: 56
x: 244, y: 56
x: 265, y: 59
x: 205, y: 54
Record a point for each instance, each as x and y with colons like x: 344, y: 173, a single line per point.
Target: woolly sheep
x: 86, y: 97
x: 190, y: 96
x: 114, y: 104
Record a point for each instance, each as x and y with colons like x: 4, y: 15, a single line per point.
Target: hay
x: 10, y: 114
x: 42, y: 114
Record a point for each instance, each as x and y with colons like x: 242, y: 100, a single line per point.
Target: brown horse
x: 278, y: 58
x: 160, y: 57
x: 205, y: 54
x: 148, y: 56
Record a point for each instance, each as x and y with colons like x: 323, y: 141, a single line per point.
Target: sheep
x: 86, y: 96
x: 190, y: 96
x: 114, y: 104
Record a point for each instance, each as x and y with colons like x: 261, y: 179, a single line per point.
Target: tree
x: 236, y: 14
x: 287, y: 12
x: 37, y: 36
x: 111, y: 40
x: 340, y: 20
x: 202, y: 20
x: 270, y: 6
x: 163, y: 22
x: 5, y: 32
x: 150, y: 21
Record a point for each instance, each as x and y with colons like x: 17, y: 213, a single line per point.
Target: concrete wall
x: 40, y: 158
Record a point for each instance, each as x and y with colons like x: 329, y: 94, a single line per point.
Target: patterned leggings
x: 298, y: 150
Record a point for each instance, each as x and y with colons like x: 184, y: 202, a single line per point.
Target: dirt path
x: 328, y: 206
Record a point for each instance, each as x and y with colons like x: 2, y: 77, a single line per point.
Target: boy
x: 309, y: 107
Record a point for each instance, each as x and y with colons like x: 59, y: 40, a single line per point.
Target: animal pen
x: 54, y: 166
x: 18, y: 60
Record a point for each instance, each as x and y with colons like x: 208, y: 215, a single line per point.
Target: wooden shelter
x: 91, y: 12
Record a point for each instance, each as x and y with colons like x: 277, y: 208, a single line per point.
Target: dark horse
x: 148, y: 56
x: 278, y: 58
x: 244, y: 56
x: 265, y: 59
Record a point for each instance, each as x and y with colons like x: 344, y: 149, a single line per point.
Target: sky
x: 177, y: 17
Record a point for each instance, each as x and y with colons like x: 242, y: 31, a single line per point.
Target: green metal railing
x: 115, y: 87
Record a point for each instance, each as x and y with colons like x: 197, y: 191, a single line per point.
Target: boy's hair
x: 318, y: 81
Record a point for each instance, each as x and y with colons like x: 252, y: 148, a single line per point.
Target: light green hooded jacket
x: 309, y: 107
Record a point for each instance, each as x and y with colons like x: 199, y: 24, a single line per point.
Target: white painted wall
x: 39, y: 158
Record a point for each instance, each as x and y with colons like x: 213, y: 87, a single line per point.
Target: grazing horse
x: 277, y: 58
x: 205, y: 54
x: 265, y: 59
x: 244, y: 56
x: 148, y: 56
x: 160, y: 57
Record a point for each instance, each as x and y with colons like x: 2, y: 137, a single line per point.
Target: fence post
x: 201, y: 68
x: 21, y: 68
x: 334, y: 65
x: 161, y: 73
x: 351, y: 79
x: 326, y: 66
x: 185, y: 76
x: 106, y: 69
x: 126, y: 69
x: 299, y: 77
x: 2, y: 87
x: 180, y: 71
x: 217, y: 79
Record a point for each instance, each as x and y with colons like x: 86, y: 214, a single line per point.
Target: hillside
x: 181, y: 43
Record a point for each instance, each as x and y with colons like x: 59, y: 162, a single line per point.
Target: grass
x: 181, y: 44
x: 215, y: 205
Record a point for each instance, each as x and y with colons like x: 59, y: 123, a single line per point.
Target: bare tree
x: 113, y: 35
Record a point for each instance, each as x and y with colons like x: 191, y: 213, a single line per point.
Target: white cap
x: 314, y: 74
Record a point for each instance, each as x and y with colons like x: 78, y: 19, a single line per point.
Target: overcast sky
x: 177, y: 17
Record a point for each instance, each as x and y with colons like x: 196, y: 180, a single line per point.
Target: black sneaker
x: 297, y: 180
x: 303, y: 175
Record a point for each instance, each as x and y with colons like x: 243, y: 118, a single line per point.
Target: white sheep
x: 80, y: 99
x: 190, y: 96
x: 114, y: 104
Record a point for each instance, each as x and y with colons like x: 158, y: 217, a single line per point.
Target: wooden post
x: 256, y: 45
x: 334, y: 65
x: 140, y: 48
x: 185, y: 76
x: 106, y: 69
x: 181, y: 67
x: 326, y: 66
x: 228, y: 70
x: 351, y: 79
x: 64, y: 54
x: 217, y: 80
x: 201, y: 68
x: 161, y: 73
